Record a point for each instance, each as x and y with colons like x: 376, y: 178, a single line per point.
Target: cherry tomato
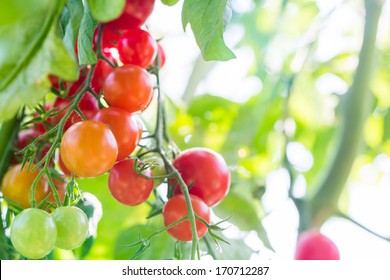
x: 88, y: 148
x: 312, y: 245
x: 205, y: 172
x: 137, y: 47
x: 128, y: 87
x: 100, y: 73
x: 161, y: 56
x: 176, y: 208
x: 109, y: 39
x: 17, y: 183
x: 33, y: 233
x: 88, y: 106
x: 134, y: 14
x: 128, y: 187
x: 72, y: 227
x: 124, y: 126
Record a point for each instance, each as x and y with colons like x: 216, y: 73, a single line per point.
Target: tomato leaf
x: 103, y: 10
x: 84, y: 44
x: 70, y: 23
x: 208, y: 20
x: 32, y: 54
x: 234, y: 249
x: 244, y: 212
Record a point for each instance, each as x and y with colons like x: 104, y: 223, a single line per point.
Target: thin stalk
x: 341, y: 215
x: 159, y: 134
x: 354, y: 111
x: 57, y: 140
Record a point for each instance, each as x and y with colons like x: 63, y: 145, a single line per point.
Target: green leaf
x: 237, y: 249
x: 70, y: 22
x: 208, y: 19
x: 84, y: 44
x: 244, y: 211
x: 33, y: 50
x: 103, y: 10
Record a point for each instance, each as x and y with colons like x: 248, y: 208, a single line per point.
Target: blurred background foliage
x: 275, y: 127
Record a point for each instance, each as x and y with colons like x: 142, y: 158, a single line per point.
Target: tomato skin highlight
x: 128, y: 187
x: 176, y: 208
x: 124, y: 126
x: 137, y: 47
x: 33, y: 233
x: 17, y: 182
x: 128, y: 87
x: 134, y: 14
x: 88, y: 149
x: 206, y: 172
x: 72, y: 227
x: 312, y: 245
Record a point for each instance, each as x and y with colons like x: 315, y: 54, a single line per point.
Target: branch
x: 341, y: 215
x: 354, y: 111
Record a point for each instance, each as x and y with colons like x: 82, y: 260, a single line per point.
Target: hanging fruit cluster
x: 94, y: 127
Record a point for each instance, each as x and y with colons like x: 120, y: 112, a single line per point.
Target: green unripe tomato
x: 72, y: 227
x: 169, y: 2
x: 33, y: 233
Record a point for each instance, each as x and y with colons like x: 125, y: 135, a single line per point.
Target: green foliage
x: 208, y: 21
x: 32, y: 54
x: 85, y: 39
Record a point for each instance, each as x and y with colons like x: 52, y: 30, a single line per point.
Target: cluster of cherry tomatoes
x: 101, y: 131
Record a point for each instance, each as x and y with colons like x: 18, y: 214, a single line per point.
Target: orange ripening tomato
x: 17, y: 183
x: 88, y: 148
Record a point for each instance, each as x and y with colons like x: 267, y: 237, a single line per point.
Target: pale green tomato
x: 33, y: 233
x: 72, y: 227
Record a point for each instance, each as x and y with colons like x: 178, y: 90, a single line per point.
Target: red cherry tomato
x: 128, y: 187
x: 205, y: 172
x: 176, y: 208
x: 109, y: 39
x: 124, y: 126
x: 89, y: 148
x: 100, y: 73
x: 137, y: 47
x: 134, y: 14
x: 161, y: 56
x: 312, y: 245
x: 128, y: 87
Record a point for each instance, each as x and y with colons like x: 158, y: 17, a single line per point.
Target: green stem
x: 57, y: 140
x: 341, y: 215
x: 354, y: 112
x: 159, y: 135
